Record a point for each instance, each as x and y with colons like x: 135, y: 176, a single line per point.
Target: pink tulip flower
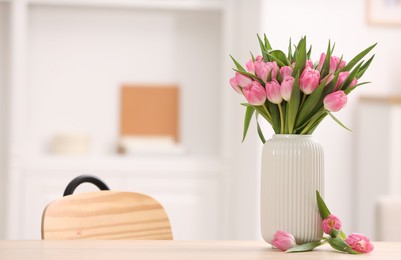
x: 335, y: 101
x: 255, y: 93
x: 321, y: 62
x: 273, y: 68
x: 273, y: 92
x: 286, y: 87
x: 342, y: 64
x: 330, y: 78
x: 242, y: 80
x: 359, y: 243
x: 285, y: 71
x: 353, y: 83
x: 234, y: 84
x: 309, y: 64
x: 331, y: 222
x: 283, y: 240
x: 263, y: 69
x: 335, y: 64
x: 250, y: 67
x: 343, y: 77
x: 309, y: 80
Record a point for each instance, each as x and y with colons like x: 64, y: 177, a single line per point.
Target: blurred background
x: 64, y: 65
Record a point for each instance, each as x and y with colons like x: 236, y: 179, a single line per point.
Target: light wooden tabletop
x: 151, y: 249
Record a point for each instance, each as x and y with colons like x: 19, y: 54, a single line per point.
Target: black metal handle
x: 82, y: 179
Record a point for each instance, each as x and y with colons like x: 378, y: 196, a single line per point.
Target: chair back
x: 106, y: 215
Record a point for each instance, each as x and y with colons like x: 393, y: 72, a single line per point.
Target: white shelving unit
x: 66, y: 63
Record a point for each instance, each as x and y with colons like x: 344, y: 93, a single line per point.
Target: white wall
x: 343, y: 22
x: 242, y: 159
x: 3, y: 82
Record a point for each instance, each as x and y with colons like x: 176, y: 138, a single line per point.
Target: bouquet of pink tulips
x: 291, y: 92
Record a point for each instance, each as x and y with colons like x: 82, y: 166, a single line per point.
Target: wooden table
x: 177, y: 250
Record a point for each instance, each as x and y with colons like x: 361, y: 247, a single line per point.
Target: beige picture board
x: 149, y: 110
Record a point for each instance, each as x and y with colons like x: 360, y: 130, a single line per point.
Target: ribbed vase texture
x: 292, y: 171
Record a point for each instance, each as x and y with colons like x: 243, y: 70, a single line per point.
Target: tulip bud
x: 353, y: 83
x: 273, y: 69
x: 309, y: 80
x: 286, y: 88
x: 309, y: 64
x: 254, y: 93
x: 342, y: 64
x: 273, y: 92
x: 341, y: 78
x: 258, y: 58
x: 331, y: 222
x: 285, y: 71
x: 330, y: 78
x: 250, y: 67
x: 321, y: 62
x: 263, y: 69
x: 242, y: 80
x: 283, y: 240
x: 359, y: 243
x: 335, y: 64
x: 335, y: 101
x: 234, y: 84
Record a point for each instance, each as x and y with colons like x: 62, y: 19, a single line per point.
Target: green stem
x: 267, y: 111
x: 303, y: 100
x: 281, y: 119
x: 312, y: 123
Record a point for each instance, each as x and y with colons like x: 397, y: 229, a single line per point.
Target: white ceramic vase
x: 292, y: 171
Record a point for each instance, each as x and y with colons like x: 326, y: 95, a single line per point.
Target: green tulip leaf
x: 334, y: 232
x: 323, y: 210
x: 309, y: 52
x: 349, y: 89
x: 364, y: 67
x: 305, y: 247
x: 350, y: 77
x: 357, y: 58
x: 290, y: 51
x: 311, y: 103
x: 279, y: 57
x: 316, y: 123
x: 262, y: 110
x: 252, y: 57
x: 260, y: 133
x: 300, y: 58
x: 248, y: 116
x: 263, y: 49
x: 267, y: 43
x: 338, y: 121
x: 326, y: 65
x: 274, y: 112
x: 343, y: 235
x: 293, y: 105
x: 311, y: 121
x: 339, y: 244
x: 239, y: 67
